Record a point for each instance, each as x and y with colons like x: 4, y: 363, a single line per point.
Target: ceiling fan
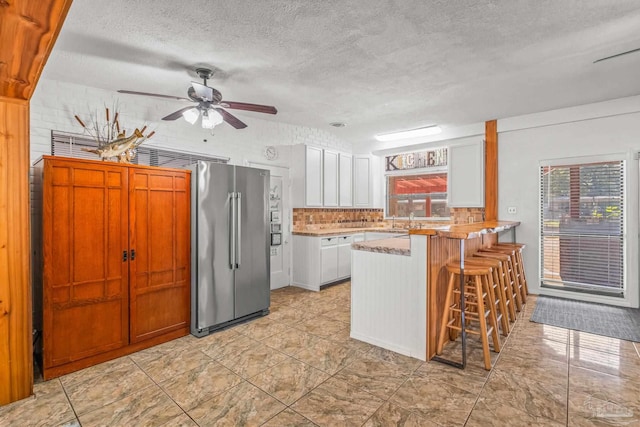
x: 210, y: 104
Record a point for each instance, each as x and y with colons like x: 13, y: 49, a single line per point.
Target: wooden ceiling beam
x: 28, y: 30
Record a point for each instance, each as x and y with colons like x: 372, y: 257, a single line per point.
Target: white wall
x: 55, y: 103
x: 567, y: 133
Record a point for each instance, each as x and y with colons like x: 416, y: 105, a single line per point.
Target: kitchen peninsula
x: 398, y: 285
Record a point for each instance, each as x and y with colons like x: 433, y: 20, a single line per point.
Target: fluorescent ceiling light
x: 413, y: 133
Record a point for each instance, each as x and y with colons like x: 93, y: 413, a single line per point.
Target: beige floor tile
x: 99, y: 370
x: 540, y: 349
x: 497, y: 414
x: 373, y: 375
x: 340, y: 314
x: 328, y: 356
x: 288, y: 418
x: 252, y: 361
x: 182, y: 420
x: 242, y: 405
x: 149, y: 406
x: 434, y: 400
x: 604, y: 387
x: 290, y: 380
x: 171, y: 364
x: 193, y: 387
x: 98, y: 391
x: 393, y: 415
x: 535, y: 331
x: 48, y: 406
x: 469, y: 379
x: 337, y: 403
x: 144, y: 357
x: 71, y: 423
x: 547, y: 371
x: 608, y: 363
x: 321, y: 326
x: 539, y: 397
x: 603, y: 344
x: 590, y: 410
x: 217, y: 337
x: 408, y: 364
x: 233, y: 346
x: 261, y: 328
x: 289, y: 315
x: 343, y: 337
x: 291, y: 341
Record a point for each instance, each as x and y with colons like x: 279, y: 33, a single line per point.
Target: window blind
x: 582, y: 227
x: 70, y: 145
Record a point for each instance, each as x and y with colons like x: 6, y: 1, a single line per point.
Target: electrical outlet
x: 274, y: 251
x: 470, y: 219
x: 512, y: 210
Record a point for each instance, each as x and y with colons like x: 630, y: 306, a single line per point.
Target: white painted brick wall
x: 55, y: 103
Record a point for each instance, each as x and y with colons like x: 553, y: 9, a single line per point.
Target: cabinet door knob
x: 133, y: 254
x: 124, y: 256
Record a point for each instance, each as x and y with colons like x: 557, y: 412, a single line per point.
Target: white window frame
x: 410, y: 172
x: 631, y: 226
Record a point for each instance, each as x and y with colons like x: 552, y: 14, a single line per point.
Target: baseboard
x: 305, y: 286
x: 389, y: 346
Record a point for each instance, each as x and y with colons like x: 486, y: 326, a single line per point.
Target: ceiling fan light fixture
x: 211, y: 118
x: 413, y: 133
x: 191, y: 115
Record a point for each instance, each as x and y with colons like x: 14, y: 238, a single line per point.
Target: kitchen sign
x: 423, y: 159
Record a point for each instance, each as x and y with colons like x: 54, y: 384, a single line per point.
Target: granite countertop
x: 393, y: 246
x: 343, y: 231
x: 467, y: 231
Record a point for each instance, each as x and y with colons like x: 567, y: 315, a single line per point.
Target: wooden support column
x: 491, y: 171
x: 28, y: 29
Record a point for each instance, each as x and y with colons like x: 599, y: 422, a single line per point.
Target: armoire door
x: 160, y: 251
x: 85, y: 224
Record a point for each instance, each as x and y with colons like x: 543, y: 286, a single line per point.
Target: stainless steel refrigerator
x: 230, y: 277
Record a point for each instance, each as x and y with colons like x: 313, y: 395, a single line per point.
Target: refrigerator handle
x: 232, y: 232
x: 239, y: 222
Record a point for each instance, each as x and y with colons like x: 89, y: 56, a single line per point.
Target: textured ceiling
x: 378, y: 65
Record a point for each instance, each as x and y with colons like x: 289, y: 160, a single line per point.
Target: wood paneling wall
x: 491, y: 171
x: 440, y: 251
x: 28, y: 29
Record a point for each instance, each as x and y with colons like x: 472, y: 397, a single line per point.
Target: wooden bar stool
x: 477, y: 308
x: 496, y: 289
x: 511, y: 271
x: 505, y: 280
x: 519, y: 248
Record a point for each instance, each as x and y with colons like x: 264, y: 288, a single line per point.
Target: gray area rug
x: 599, y: 319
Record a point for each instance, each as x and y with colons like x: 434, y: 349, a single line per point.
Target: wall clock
x: 270, y: 152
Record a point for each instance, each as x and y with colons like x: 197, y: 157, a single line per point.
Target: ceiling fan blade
x: 203, y: 92
x: 249, y: 107
x: 177, y: 114
x: 231, y: 119
x: 157, y: 95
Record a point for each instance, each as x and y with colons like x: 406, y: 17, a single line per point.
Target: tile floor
x: 298, y: 367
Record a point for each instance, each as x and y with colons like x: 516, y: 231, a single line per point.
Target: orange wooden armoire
x: 111, y: 259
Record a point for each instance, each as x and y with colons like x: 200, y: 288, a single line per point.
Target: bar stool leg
x: 446, y: 314
x: 483, y: 325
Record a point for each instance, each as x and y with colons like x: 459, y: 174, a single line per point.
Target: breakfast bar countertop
x: 467, y: 231
x: 393, y: 246
x: 343, y: 231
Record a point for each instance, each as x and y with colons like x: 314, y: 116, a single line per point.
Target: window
x: 582, y: 227
x: 424, y: 195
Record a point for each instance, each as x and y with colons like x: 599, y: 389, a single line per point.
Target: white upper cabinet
x: 313, y: 176
x: 346, y: 179
x: 466, y: 175
x: 362, y: 181
x: 330, y: 170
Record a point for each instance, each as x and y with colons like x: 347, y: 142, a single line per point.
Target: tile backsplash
x: 462, y: 215
x: 319, y: 218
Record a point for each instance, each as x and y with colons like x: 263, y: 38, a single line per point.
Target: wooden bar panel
x: 491, y: 170
x: 16, y: 360
x: 442, y: 250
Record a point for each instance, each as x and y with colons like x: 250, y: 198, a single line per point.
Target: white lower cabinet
x: 318, y: 261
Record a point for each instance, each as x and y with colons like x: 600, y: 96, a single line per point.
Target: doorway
x: 280, y: 216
